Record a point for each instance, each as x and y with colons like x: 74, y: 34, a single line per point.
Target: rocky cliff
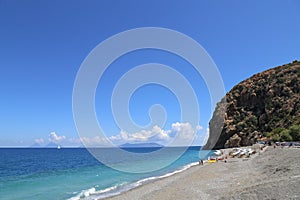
x: 256, y: 106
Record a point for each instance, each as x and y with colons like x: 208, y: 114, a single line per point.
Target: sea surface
x: 73, y: 173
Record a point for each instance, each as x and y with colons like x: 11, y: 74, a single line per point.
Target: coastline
x: 273, y: 174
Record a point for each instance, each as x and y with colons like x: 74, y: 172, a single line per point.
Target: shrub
x: 295, y: 132
x: 275, y: 137
x: 285, y: 136
x: 298, y: 72
x: 280, y: 80
x: 278, y: 130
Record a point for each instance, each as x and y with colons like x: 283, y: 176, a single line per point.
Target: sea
x: 73, y: 173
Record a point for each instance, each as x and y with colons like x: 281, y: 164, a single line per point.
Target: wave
x: 146, y: 180
x: 86, y: 194
x: 92, y: 193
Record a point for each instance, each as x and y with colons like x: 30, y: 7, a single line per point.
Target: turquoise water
x: 27, y: 173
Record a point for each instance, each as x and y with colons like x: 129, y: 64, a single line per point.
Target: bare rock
x: 257, y: 105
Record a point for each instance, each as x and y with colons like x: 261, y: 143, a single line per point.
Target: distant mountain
x: 36, y: 145
x: 52, y: 145
x: 138, y: 145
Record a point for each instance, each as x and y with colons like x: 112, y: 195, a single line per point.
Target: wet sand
x: 274, y: 174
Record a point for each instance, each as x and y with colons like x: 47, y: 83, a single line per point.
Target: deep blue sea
x: 73, y: 173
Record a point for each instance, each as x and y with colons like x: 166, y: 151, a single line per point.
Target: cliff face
x: 256, y: 106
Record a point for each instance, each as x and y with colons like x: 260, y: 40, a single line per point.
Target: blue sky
x: 43, y: 43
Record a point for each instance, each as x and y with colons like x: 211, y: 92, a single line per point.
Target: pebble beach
x: 273, y: 173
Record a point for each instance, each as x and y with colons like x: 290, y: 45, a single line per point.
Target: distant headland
x: 265, y: 106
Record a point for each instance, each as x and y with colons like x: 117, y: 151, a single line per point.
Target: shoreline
x: 174, y: 173
x: 232, y: 180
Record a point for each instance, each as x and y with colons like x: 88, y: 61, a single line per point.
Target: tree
x: 278, y: 130
x: 295, y: 132
x: 285, y: 136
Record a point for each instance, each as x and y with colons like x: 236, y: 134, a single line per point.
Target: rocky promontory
x: 263, y: 105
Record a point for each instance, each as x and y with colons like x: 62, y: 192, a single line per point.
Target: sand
x: 274, y: 174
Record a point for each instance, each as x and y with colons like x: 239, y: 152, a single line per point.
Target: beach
x: 274, y: 173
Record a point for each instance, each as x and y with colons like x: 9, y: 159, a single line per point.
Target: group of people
x: 225, y: 160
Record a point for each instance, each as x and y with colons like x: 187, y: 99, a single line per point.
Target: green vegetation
x: 280, y: 80
x: 258, y: 106
x: 295, y: 132
x: 285, y: 135
x: 296, y: 62
x: 298, y: 72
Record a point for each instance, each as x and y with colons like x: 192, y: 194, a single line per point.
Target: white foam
x: 107, y: 190
x: 153, y: 178
x: 117, y: 189
x: 84, y: 193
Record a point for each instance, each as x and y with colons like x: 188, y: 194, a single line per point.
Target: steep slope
x: 256, y: 106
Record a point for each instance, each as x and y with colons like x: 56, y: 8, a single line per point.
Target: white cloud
x: 54, y: 137
x: 115, y: 137
x: 74, y: 141
x: 59, y: 139
x: 96, y: 141
x: 184, y: 134
x: 199, y: 128
x: 206, y: 136
x: 161, y: 134
x: 179, y: 134
x: 39, y: 141
x: 156, y: 134
x: 201, y: 138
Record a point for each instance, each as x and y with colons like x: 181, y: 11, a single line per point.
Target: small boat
x: 242, y: 152
x: 218, y: 152
x: 58, y: 147
x: 250, y: 151
x: 220, y: 158
x: 211, y: 161
x: 235, y: 152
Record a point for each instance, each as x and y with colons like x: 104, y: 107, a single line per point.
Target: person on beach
x: 200, y: 162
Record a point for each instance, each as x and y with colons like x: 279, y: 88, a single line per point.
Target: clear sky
x: 43, y: 43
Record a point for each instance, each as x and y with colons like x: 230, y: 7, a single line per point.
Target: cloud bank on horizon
x: 182, y: 131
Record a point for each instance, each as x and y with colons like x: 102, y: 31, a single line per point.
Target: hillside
x: 267, y: 104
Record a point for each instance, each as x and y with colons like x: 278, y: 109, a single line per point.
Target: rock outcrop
x: 256, y: 106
